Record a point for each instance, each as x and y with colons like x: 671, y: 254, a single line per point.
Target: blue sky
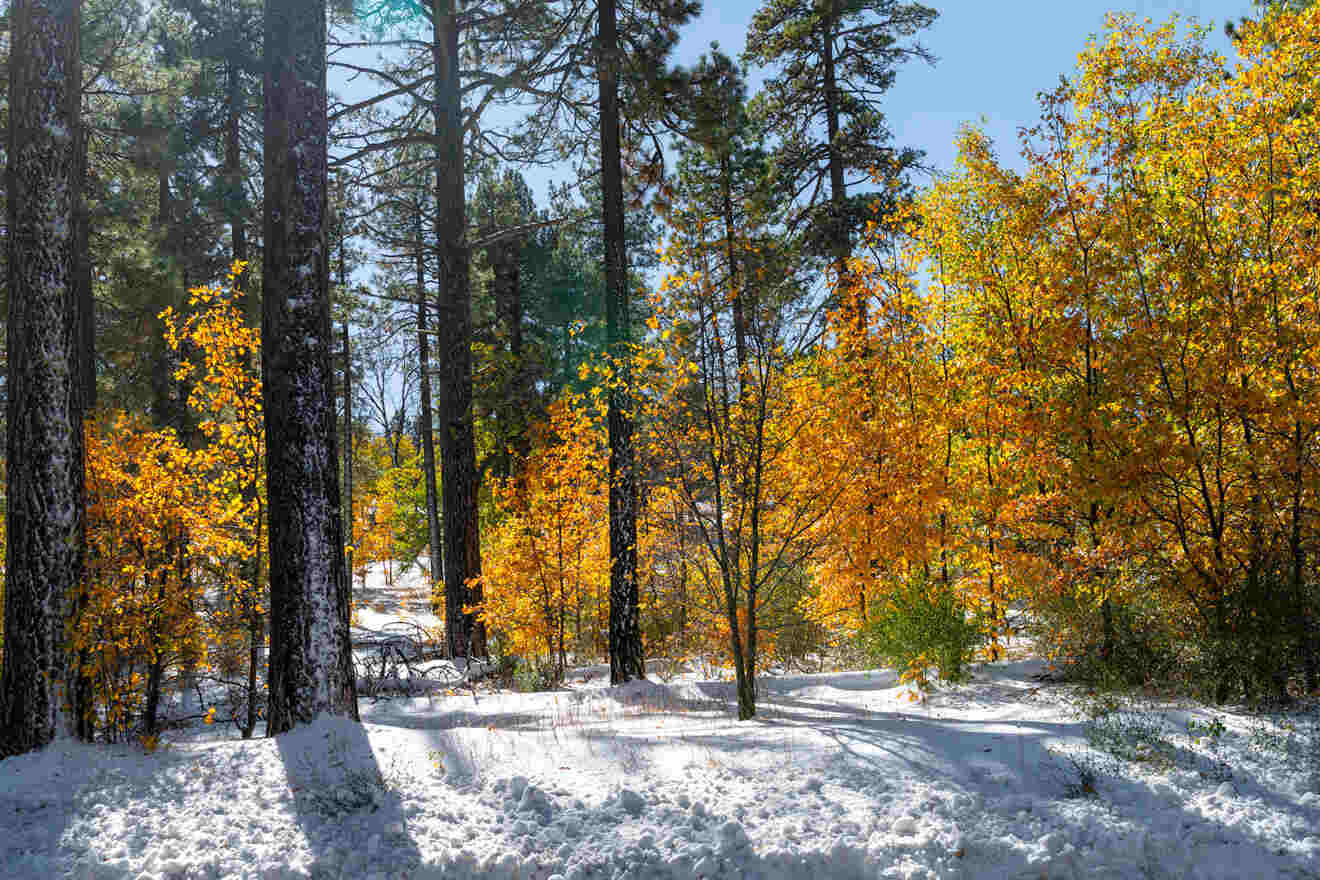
x: 993, y: 58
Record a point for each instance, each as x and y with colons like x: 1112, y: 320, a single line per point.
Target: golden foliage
x: 170, y: 526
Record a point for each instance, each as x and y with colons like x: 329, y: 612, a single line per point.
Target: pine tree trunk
x: 83, y: 282
x: 45, y: 450
x: 626, y: 660
x: 736, y: 279
x: 839, y: 232
x: 311, y: 669
x: 348, y: 461
x: 427, y: 427
x: 462, y: 550
x: 83, y: 687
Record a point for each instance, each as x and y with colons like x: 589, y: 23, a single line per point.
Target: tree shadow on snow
x: 39, y: 793
x: 1009, y: 768
x: 349, y: 808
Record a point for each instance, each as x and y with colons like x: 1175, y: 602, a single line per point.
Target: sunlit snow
x: 841, y: 775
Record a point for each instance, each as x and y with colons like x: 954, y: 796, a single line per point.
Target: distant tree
x: 400, y: 215
x: 311, y: 668
x: 45, y: 488
x: 835, y: 60
x: 470, y: 58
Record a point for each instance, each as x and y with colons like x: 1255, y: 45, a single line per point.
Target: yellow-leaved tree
x: 389, y: 519
x: 1133, y: 324
x: 220, y: 358
x: 155, y: 525
x: 174, y: 532
x: 545, y: 577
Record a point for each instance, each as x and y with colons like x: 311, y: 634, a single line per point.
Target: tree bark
x: 45, y: 449
x: 83, y: 282
x: 348, y: 458
x: 84, y: 726
x: 427, y: 426
x: 838, y: 186
x: 462, y: 550
x: 626, y: 660
x: 311, y: 668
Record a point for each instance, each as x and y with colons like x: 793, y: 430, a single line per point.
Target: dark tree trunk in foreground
x: 462, y: 551
x: 45, y: 491
x: 626, y: 661
x: 311, y: 669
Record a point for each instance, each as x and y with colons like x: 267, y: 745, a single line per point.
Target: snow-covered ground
x: 841, y: 775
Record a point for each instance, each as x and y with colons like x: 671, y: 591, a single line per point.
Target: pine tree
x: 311, y: 668
x: 505, y: 216
x: 836, y: 58
x: 626, y: 661
x: 45, y: 489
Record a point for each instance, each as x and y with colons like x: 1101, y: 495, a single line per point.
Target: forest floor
x: 841, y: 775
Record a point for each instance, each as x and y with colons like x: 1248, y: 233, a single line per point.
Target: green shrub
x: 532, y: 675
x: 921, y: 624
x: 1068, y: 629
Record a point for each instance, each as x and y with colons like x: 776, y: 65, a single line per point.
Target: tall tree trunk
x: 235, y: 200
x: 311, y: 667
x: 839, y: 232
x: 45, y: 449
x: 83, y: 282
x: 84, y: 726
x: 348, y: 457
x: 517, y: 396
x: 462, y: 551
x: 426, y: 426
x: 626, y: 660
x: 736, y: 284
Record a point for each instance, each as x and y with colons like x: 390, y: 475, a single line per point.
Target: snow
x: 841, y: 775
